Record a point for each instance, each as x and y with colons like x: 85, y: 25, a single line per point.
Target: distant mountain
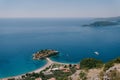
x: 105, y: 21
x: 117, y: 19
x: 102, y: 23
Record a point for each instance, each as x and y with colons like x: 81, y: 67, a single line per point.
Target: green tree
x: 83, y: 75
x: 90, y: 63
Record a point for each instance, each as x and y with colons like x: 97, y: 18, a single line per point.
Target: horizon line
x: 53, y: 17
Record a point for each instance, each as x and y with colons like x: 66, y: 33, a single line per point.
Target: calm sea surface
x: 20, y: 38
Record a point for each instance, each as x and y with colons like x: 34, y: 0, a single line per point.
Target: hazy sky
x: 59, y: 8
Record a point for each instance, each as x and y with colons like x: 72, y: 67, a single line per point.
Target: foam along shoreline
x: 49, y: 62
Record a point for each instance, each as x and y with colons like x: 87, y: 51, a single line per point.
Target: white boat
x: 96, y: 53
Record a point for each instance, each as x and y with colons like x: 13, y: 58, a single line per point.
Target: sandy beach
x: 49, y: 62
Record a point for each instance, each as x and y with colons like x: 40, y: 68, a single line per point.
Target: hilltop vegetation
x: 111, y: 63
x: 90, y: 63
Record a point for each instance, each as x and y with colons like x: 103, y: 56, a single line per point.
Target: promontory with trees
x: 105, y: 22
x: 102, y: 23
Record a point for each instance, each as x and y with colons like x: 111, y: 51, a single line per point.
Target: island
x: 42, y: 54
x: 102, y: 23
x: 110, y: 21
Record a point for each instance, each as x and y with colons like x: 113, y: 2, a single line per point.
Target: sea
x: 21, y: 37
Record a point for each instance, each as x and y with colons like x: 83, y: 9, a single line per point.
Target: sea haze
x: 20, y: 38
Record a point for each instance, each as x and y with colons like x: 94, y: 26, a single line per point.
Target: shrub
x: 90, y: 63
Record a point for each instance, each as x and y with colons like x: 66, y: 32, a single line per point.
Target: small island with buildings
x: 42, y: 54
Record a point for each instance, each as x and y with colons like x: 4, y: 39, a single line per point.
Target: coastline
x: 92, y: 73
x: 49, y: 62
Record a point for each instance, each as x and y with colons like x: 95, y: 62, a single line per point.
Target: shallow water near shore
x: 20, y: 38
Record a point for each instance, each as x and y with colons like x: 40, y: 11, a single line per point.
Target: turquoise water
x: 20, y: 38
